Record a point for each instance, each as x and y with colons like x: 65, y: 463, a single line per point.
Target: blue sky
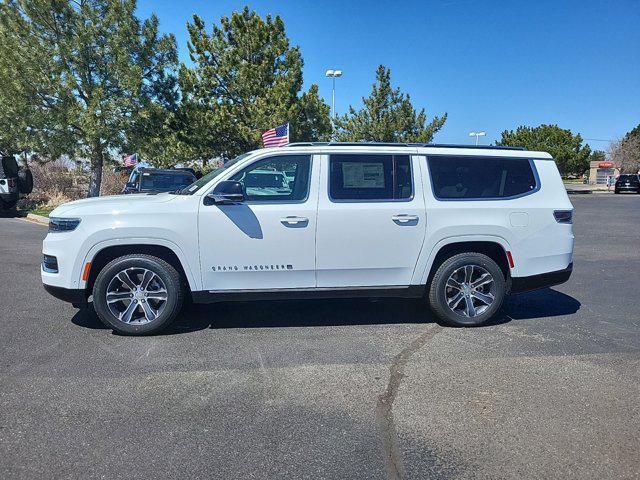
x: 491, y: 65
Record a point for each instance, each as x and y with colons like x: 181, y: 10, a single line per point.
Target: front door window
x: 274, y: 179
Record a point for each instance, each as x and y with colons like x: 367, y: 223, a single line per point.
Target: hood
x: 110, y: 203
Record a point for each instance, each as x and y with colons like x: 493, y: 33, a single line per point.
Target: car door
x: 371, y: 220
x: 268, y: 241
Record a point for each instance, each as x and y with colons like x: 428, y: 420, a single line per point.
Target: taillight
x: 11, y: 182
x: 563, y: 216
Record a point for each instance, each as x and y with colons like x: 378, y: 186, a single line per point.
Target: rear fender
x: 422, y: 272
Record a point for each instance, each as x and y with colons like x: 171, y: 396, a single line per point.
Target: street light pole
x: 333, y: 74
x: 333, y: 97
x: 477, y: 135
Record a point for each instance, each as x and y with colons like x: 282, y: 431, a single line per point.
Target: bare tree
x: 626, y: 153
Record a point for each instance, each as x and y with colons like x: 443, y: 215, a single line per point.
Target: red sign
x: 605, y: 165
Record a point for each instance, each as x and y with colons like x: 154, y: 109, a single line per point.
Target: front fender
x: 188, y: 267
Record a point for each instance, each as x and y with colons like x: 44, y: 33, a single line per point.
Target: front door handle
x: 294, y: 221
x: 404, y: 219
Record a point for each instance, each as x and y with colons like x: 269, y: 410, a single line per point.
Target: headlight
x: 63, y: 224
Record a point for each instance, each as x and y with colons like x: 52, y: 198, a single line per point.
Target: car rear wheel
x: 25, y: 181
x: 8, y: 206
x: 138, y: 294
x: 467, y: 290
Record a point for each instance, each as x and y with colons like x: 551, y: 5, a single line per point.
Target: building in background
x: 599, y: 172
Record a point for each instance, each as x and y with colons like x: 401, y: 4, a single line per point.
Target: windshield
x: 198, y: 184
x: 164, y: 181
x: 628, y: 177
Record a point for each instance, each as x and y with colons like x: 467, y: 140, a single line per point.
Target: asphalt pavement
x: 332, y: 388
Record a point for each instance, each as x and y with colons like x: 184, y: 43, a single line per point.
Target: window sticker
x: 362, y: 175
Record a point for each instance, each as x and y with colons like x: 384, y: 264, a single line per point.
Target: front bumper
x: 77, y: 297
x: 543, y: 280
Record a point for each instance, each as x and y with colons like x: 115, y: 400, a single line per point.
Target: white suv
x: 463, y: 227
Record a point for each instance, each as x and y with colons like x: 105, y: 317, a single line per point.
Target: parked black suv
x: 628, y: 182
x: 154, y: 180
x: 14, y: 181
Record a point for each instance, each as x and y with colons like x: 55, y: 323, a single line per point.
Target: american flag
x: 130, y: 160
x: 276, y: 137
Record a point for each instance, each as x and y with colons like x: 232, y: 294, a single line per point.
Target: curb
x: 37, y: 219
x: 587, y: 192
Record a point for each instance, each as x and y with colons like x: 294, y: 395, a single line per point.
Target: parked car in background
x: 628, y: 182
x: 263, y: 181
x: 14, y: 182
x: 459, y: 227
x: 156, y: 180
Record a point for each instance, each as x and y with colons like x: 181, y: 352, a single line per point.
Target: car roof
x: 408, y: 148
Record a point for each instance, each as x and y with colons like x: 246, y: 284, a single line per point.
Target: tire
x: 154, y: 310
x: 616, y: 191
x: 8, y: 206
x: 8, y: 167
x: 25, y: 181
x: 455, y: 270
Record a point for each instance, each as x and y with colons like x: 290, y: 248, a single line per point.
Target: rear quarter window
x: 481, y: 177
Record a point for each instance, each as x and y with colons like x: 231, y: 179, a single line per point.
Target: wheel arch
x: 494, y: 247
x: 103, y: 253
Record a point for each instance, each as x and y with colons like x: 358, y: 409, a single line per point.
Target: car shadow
x: 341, y: 312
x: 243, y: 217
x: 539, y: 304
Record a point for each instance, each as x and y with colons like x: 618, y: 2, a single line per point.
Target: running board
x: 213, y: 296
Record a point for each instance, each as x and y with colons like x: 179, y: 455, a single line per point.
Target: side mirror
x: 226, y: 192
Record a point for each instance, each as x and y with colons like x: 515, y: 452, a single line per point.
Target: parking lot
x: 332, y: 388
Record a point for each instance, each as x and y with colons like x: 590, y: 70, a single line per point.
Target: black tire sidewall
x: 8, y: 206
x: 25, y: 181
x: 438, y: 287
x: 164, y: 270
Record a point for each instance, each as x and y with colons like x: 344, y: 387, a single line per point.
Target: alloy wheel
x: 470, y: 291
x: 136, y: 296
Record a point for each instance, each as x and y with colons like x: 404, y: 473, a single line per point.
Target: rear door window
x: 628, y: 178
x: 370, y: 177
x: 480, y: 178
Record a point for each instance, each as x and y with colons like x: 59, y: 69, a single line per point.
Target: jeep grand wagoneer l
x: 461, y: 227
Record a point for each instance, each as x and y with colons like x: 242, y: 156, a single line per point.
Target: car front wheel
x: 137, y: 294
x: 467, y: 290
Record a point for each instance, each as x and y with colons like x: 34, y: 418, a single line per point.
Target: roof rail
x: 398, y: 144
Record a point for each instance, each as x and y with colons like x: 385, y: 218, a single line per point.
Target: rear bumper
x: 75, y: 296
x: 543, y: 280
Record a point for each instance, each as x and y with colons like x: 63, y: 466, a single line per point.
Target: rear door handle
x: 403, y: 218
x: 294, y: 221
